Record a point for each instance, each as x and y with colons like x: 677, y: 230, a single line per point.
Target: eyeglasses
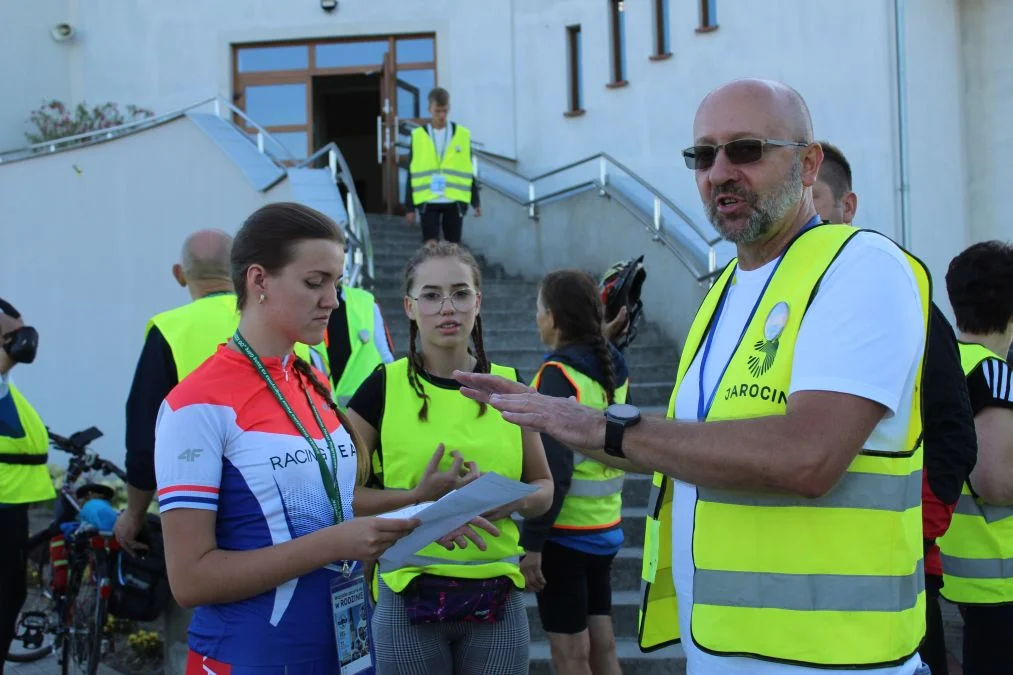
x: 431, y: 302
x: 739, y: 151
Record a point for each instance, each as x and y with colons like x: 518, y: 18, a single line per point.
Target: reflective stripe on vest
x: 834, y: 581
x: 24, y: 475
x: 454, y: 168
x: 977, y: 549
x: 195, y: 330
x: 594, y: 501
x: 408, y: 443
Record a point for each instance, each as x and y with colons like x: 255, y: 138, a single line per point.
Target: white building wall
x: 35, y: 68
x: 838, y: 55
x: 986, y: 26
x: 93, y: 258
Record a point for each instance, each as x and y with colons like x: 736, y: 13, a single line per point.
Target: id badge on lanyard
x: 438, y: 183
x: 352, y: 614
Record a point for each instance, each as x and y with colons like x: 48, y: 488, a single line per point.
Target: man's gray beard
x: 767, y: 211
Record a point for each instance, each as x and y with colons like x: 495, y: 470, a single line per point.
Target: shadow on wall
x: 590, y: 232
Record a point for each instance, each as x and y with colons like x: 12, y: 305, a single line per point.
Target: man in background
x: 950, y: 445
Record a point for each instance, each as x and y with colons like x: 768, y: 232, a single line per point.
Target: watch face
x: 623, y: 411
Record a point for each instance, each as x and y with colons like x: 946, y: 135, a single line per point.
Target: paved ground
x: 951, y: 619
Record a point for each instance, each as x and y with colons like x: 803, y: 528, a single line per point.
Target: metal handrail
x: 652, y: 221
x: 360, y: 246
x: 360, y: 242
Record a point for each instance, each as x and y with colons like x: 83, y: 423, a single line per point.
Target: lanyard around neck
x: 703, y: 405
x: 329, y: 479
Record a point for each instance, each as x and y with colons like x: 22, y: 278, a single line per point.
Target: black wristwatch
x: 618, y: 416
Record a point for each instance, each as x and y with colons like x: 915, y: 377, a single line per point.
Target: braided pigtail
x: 481, y: 360
x: 604, y: 358
x: 362, y: 463
x: 415, y: 366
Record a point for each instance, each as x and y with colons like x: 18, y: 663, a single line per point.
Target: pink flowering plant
x: 55, y: 120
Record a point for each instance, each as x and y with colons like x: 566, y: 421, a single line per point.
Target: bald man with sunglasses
x: 783, y: 535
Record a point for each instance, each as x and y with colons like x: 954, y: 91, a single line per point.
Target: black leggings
x: 14, y: 538
x: 988, y: 633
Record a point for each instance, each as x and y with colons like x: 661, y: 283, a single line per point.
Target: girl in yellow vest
x: 569, y: 549
x: 461, y: 611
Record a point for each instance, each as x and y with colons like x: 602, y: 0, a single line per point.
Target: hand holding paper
x: 452, y: 511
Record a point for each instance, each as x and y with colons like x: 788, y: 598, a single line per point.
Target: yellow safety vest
x: 977, y: 549
x: 409, y: 442
x: 835, y: 581
x: 450, y: 176
x: 594, y: 502
x: 365, y: 356
x: 24, y: 476
x: 195, y: 330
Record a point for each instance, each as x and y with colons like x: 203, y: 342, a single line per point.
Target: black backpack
x: 140, y: 582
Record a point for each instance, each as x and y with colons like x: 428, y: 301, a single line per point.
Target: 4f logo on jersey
x: 767, y: 347
x: 190, y: 454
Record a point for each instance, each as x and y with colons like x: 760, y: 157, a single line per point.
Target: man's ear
x: 177, y: 273
x: 850, y: 202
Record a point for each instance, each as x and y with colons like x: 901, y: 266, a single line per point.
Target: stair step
x: 667, y: 661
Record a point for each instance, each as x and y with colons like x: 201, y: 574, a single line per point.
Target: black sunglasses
x: 740, y: 151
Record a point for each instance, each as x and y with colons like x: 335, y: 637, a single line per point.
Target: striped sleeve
x: 997, y: 379
x: 189, y: 448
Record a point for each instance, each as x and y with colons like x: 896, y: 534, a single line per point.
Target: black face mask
x: 21, y: 344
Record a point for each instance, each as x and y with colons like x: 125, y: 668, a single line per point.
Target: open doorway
x: 345, y: 110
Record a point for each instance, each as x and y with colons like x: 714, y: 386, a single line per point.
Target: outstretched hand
x: 564, y: 419
x: 435, y: 483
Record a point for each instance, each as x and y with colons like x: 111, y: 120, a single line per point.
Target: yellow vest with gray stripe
x: 453, y: 169
x: 977, y: 549
x: 835, y: 581
x: 408, y: 443
x: 594, y: 501
x: 364, y: 356
x: 24, y: 476
x: 195, y: 330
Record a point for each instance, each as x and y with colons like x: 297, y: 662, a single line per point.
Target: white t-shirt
x: 862, y: 335
x: 441, y: 138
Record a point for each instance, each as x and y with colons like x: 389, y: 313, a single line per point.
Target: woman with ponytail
x: 256, y: 467
x: 570, y: 548
x: 457, y: 612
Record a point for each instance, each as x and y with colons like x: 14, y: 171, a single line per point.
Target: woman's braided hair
x: 416, y: 365
x: 572, y: 298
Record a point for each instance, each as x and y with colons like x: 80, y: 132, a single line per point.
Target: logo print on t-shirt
x: 767, y: 347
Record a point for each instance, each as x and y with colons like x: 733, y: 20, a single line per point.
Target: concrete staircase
x: 511, y: 338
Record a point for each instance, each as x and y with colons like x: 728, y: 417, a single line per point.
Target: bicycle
x: 70, y: 566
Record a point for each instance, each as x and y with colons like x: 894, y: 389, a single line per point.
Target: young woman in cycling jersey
x: 256, y: 467
x: 570, y: 548
x: 457, y: 612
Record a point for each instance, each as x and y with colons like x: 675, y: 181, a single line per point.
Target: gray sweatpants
x: 449, y: 648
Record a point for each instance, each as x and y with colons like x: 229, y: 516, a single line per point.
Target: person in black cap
x: 24, y: 477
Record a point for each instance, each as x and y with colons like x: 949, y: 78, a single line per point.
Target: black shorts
x: 577, y: 585
x: 445, y: 216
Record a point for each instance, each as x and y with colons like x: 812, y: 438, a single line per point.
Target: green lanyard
x: 329, y: 479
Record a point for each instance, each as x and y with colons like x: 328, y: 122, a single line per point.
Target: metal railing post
x: 260, y: 142
x: 218, y: 108
x: 603, y: 173
x: 531, y: 200
x: 657, y: 213
x: 332, y: 164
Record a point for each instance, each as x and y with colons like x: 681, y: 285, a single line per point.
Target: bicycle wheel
x: 86, y: 613
x: 35, y: 630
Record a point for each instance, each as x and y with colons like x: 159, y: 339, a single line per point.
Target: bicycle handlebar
x: 77, y: 445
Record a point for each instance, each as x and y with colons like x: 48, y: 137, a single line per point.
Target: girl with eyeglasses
x: 457, y: 612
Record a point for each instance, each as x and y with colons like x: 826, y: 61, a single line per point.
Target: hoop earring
x: 262, y: 298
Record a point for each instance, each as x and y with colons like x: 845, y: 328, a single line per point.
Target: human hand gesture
x: 436, y: 483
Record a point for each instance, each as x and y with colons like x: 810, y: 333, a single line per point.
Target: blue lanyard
x: 703, y: 405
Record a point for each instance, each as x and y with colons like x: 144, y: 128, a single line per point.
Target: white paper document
x: 488, y: 492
